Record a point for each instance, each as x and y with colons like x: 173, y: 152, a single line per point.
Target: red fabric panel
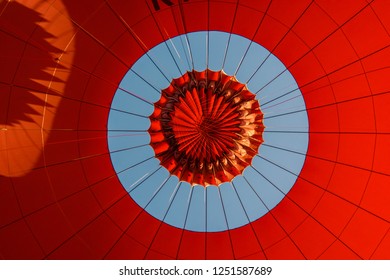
x: 287, y: 16
x: 354, y: 87
x: 350, y: 116
x: 195, y: 21
x: 351, y: 153
x: 102, y: 231
x: 218, y: 246
x: 317, y: 92
x: 152, y: 255
x: 302, y: 190
x: 222, y: 16
x: 256, y: 256
x: 284, y: 250
x: 289, y: 215
x: 144, y: 229
x: 170, y: 22
x: 377, y: 81
x: 330, y: 124
x: 87, y: 56
x: 377, y: 195
x: 167, y: 240
x: 74, y: 246
x: 245, y: 242
x: 52, y: 236
x: 100, y: 83
x: 127, y: 248
x: 92, y: 143
x: 314, y: 26
x: 26, y: 108
x: 97, y: 168
x: 326, y: 152
x: 364, y: 233
x: 341, y: 11
x: 79, y: 218
x: 58, y: 153
x: 339, y: 251
x: 63, y: 185
x: 382, y: 149
x: 349, y: 183
x: 4, y: 101
x: 123, y: 205
x: 10, y: 206
x: 270, y: 33
x: 334, y: 213
x: 92, y: 117
x: 151, y: 38
x: 335, y: 52
x: 99, y: 29
x: 317, y: 172
x: 256, y: 5
x: 357, y: 31
x: 27, y: 246
x: 118, y: 70
x: 109, y: 192
x: 247, y: 20
x: 298, y: 66
x: 193, y: 246
x: 68, y: 108
x: 14, y: 49
x: 127, y: 42
x: 382, y: 252
x: 131, y: 13
x: 32, y: 197
x: 312, y: 238
x: 269, y: 231
x: 382, y: 114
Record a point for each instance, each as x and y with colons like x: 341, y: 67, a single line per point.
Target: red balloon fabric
x: 61, y: 64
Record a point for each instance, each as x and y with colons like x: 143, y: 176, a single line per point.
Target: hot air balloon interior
x: 194, y: 129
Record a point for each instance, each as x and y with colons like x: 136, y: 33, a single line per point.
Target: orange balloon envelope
x: 61, y: 64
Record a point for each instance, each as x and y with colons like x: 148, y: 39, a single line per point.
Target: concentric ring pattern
x: 150, y: 173
x: 62, y: 63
